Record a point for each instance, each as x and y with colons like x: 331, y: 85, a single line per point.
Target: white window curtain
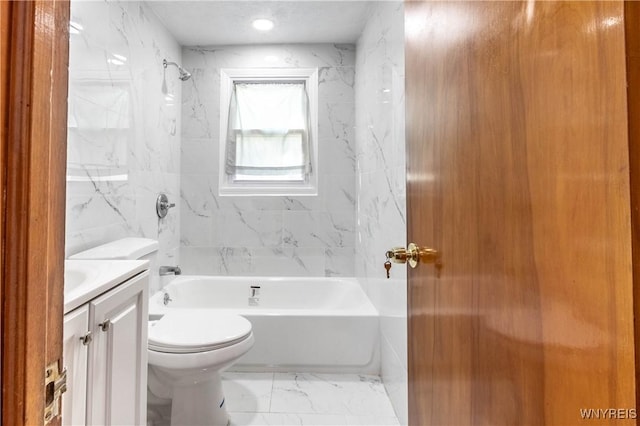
x: 268, y: 131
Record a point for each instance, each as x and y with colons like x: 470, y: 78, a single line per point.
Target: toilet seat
x: 193, y: 331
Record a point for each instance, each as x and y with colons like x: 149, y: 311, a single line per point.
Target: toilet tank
x: 131, y: 248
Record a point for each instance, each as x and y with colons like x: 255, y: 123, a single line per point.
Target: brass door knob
x: 413, y: 254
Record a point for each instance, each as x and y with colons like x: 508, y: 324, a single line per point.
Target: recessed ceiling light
x: 263, y: 24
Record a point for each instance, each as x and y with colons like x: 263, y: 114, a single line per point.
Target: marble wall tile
x: 337, y: 156
x: 199, y: 260
x: 247, y: 228
x: 336, y: 83
x: 84, y: 239
x: 339, y: 262
x: 201, y: 103
x: 336, y: 120
x: 199, y: 156
x: 123, y: 128
x: 318, y: 229
x: 100, y: 203
x: 380, y: 185
x: 304, y: 235
x: 394, y: 372
x: 340, y: 192
x: 292, y: 55
x: 301, y: 262
x: 256, y: 261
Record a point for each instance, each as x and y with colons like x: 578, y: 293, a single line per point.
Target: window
x: 268, y: 132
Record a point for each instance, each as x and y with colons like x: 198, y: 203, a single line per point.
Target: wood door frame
x: 33, y: 164
x: 632, y: 47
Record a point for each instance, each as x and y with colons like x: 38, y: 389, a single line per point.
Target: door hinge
x: 55, y: 384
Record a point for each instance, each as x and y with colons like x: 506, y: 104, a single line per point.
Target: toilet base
x: 199, y: 404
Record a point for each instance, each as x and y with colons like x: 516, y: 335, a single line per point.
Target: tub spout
x: 168, y: 270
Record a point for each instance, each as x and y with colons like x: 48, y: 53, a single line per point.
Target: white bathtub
x: 299, y: 324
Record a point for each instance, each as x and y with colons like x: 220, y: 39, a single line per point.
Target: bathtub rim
x: 156, y: 306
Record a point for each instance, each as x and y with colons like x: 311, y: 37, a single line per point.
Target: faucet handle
x: 163, y: 205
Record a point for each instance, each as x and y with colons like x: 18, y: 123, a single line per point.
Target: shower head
x: 184, y: 74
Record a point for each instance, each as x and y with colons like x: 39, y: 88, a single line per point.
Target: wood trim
x: 14, y: 302
x: 33, y: 243
x: 5, y: 12
x: 632, y: 45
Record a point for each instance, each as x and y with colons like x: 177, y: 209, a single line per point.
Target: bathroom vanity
x: 105, y: 341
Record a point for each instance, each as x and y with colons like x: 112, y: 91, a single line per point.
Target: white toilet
x: 187, y: 349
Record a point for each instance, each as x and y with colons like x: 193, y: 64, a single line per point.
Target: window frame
x: 229, y: 76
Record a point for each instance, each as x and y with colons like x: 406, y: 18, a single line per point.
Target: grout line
x: 273, y: 377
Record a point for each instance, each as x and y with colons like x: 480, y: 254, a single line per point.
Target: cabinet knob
x: 86, y: 339
x: 104, y: 326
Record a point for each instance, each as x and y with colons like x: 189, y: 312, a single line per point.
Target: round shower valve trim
x: 163, y: 205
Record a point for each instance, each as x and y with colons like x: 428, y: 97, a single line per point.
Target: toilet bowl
x: 187, y: 351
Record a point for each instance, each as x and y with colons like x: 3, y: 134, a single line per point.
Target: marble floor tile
x: 284, y: 399
x: 247, y: 392
x: 286, y: 419
x: 372, y: 421
x: 344, y: 394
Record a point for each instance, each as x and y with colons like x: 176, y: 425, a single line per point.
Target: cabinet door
x: 118, y: 356
x: 74, y: 353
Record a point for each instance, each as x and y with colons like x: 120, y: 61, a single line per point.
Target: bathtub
x: 299, y: 324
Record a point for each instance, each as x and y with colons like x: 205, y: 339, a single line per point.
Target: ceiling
x: 229, y: 22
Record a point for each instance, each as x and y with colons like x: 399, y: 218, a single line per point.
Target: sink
x: 86, y: 279
x: 74, y: 277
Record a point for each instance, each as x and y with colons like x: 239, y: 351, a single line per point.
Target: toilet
x: 187, y: 348
x: 187, y: 351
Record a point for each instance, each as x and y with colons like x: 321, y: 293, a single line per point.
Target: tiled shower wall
x: 123, y: 127
x: 280, y: 236
x: 381, y: 211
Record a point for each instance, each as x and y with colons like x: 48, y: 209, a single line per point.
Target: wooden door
x: 518, y: 173
x: 33, y: 110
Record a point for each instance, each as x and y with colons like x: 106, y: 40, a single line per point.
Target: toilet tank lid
x: 126, y: 248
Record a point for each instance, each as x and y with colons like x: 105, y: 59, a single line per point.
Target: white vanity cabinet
x: 75, y: 354
x: 110, y: 371
x: 118, y: 357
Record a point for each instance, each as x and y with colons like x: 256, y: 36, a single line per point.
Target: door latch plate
x: 55, y: 384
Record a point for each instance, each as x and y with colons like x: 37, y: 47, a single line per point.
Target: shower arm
x: 184, y: 75
x: 166, y: 63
